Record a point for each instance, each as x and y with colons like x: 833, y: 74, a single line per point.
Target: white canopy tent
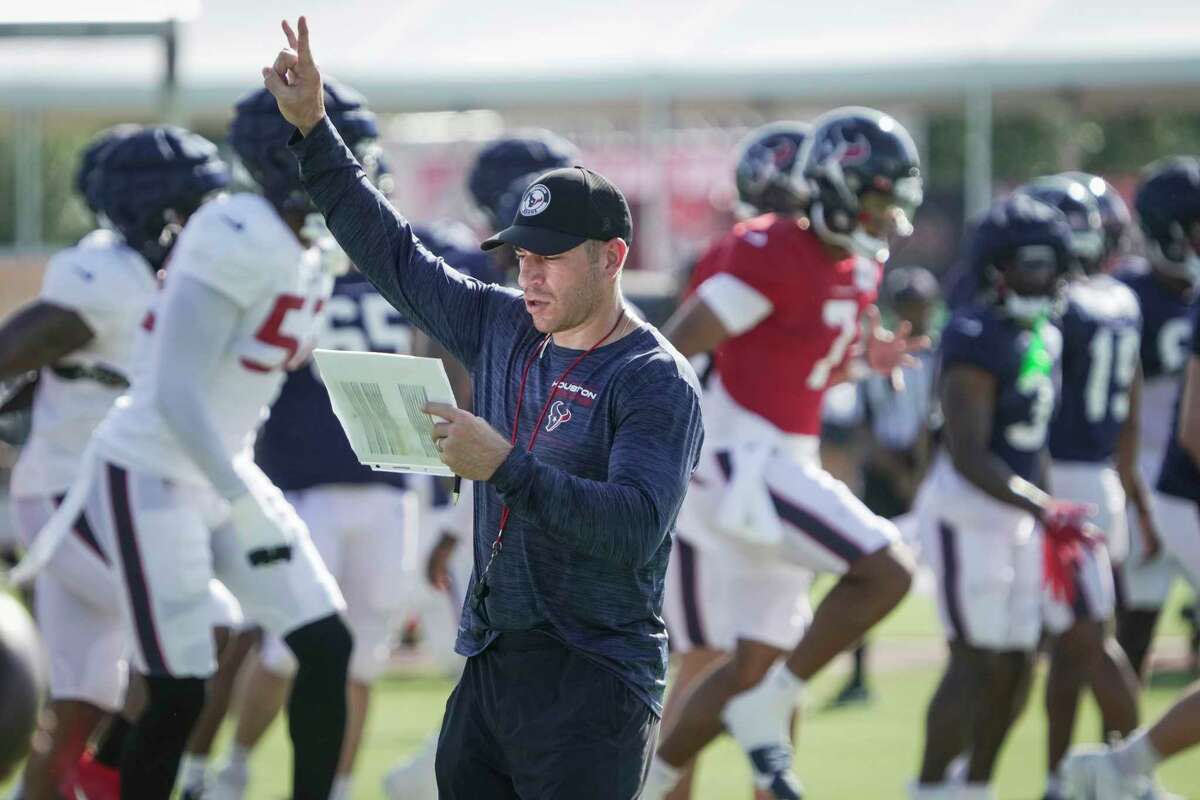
x: 649, y: 54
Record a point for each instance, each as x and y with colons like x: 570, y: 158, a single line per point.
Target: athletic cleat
x: 230, y: 783
x: 852, y: 694
x: 772, y: 767
x: 1091, y: 773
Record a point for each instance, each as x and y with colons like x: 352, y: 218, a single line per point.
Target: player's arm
x: 38, y: 335
x: 968, y: 394
x: 1128, y: 456
x: 184, y: 361
x: 722, y: 306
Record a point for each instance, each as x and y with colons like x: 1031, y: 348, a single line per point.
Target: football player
x: 980, y: 513
x: 80, y: 332
x: 173, y: 491
x: 343, y: 503
x: 1097, y: 419
x: 699, y: 607
x: 1127, y: 770
x: 1168, y: 210
x: 782, y: 307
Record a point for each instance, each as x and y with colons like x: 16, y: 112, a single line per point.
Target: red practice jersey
x: 779, y: 368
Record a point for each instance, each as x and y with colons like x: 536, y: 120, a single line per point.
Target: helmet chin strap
x: 858, y: 241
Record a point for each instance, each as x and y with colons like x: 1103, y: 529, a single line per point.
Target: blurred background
x: 655, y: 93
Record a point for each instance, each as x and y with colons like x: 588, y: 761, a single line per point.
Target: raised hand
x: 886, y: 351
x: 295, y: 81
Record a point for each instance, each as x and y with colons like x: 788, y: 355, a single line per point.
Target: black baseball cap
x: 562, y: 209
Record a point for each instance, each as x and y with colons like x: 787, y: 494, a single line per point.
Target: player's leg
x: 158, y: 531
x: 78, y: 613
x: 1079, y: 653
x: 1127, y: 770
x: 764, y: 606
x: 1142, y: 586
x: 987, y: 563
x: 1010, y: 634
x: 269, y: 680
x: 826, y: 528
x: 378, y: 563
x: 299, y: 600
x: 439, y: 608
x: 696, y: 608
x: 948, y: 719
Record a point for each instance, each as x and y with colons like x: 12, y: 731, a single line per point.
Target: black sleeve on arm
x: 624, y: 519
x: 438, y: 299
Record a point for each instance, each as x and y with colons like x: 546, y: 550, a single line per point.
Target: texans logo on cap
x: 535, y: 201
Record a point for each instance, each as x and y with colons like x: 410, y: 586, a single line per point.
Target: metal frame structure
x: 27, y: 137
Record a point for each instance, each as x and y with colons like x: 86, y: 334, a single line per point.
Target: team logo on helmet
x: 535, y: 201
x: 847, y: 151
x: 559, y: 413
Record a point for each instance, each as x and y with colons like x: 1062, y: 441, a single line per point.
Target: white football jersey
x: 239, y: 246
x: 111, y: 287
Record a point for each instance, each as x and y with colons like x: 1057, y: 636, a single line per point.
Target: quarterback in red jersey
x: 785, y: 305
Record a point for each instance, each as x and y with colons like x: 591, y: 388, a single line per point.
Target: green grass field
x: 856, y: 754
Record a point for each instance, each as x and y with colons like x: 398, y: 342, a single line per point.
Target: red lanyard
x: 481, y: 589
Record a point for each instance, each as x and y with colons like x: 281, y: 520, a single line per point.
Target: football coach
x: 587, y: 432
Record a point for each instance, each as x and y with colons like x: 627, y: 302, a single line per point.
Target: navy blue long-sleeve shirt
x: 585, y: 552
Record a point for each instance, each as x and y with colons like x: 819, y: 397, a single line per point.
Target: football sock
x: 1136, y: 756
x: 762, y: 715
x: 150, y: 761
x: 192, y: 771
x: 317, y: 707
x: 341, y: 788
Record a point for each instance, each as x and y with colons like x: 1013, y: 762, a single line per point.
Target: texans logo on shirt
x: 559, y: 413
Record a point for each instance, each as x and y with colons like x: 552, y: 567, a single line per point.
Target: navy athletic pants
x: 532, y: 719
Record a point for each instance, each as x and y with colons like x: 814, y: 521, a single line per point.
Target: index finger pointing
x: 443, y: 410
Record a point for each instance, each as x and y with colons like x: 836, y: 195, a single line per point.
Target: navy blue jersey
x: 984, y: 338
x: 302, y: 444
x: 1101, y: 336
x: 1165, y: 325
x: 1180, y: 476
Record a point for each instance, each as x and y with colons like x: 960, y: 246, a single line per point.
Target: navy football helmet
x: 1082, y: 211
x: 91, y: 155
x: 1114, y: 213
x: 259, y: 135
x: 146, y: 184
x: 865, y: 176
x: 765, y: 169
x: 502, y: 161
x: 1020, y: 254
x: 1168, y: 209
